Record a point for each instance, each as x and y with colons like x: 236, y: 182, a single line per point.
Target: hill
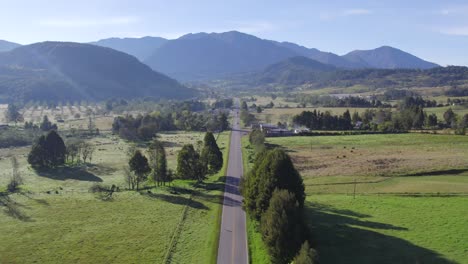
x: 59, y: 71
x: 298, y: 71
x: 202, y: 55
x: 293, y: 70
x: 7, y: 46
x: 141, y: 48
x: 388, y: 58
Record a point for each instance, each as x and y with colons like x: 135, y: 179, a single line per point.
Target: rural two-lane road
x: 233, y: 238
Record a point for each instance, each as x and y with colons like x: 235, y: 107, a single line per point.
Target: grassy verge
x: 199, y: 236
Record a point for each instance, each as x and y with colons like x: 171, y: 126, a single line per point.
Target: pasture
x: 410, y: 203
x: 56, y: 219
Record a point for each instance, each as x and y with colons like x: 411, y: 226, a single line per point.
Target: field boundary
x: 176, y: 233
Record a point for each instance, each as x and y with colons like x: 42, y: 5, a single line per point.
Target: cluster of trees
x: 45, y: 126
x: 196, y: 164
x: 457, y: 91
x: 413, y: 101
x: 145, y: 127
x: 151, y: 104
x: 246, y: 117
x: 332, y: 101
x: 410, y: 115
x: 48, y: 151
x: 223, y: 103
x: 193, y: 164
x: 324, y: 120
x: 141, y: 169
x: 274, y: 195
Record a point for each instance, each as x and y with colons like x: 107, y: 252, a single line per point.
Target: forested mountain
x: 218, y: 55
x: 300, y: 70
x: 202, y: 55
x: 323, y: 57
x: 7, y: 46
x: 141, y: 48
x: 53, y: 71
x: 388, y: 58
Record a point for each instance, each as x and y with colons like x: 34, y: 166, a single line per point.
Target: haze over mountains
x: 216, y: 55
x: 141, y: 48
x: 60, y: 71
x: 135, y: 67
x: 7, y: 46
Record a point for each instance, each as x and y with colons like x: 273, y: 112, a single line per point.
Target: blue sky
x: 434, y: 30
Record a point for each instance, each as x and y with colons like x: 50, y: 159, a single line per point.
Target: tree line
x: 274, y: 195
x: 145, y: 127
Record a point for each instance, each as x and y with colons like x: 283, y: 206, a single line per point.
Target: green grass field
x: 411, y: 196
x: 74, y: 226
x: 389, y: 229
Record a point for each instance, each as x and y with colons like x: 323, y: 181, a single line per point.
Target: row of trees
x: 191, y: 163
x: 274, y: 195
x: 409, y: 116
x: 324, y: 120
x: 145, y: 127
x: 333, y: 101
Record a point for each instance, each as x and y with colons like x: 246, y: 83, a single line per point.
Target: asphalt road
x: 233, y: 237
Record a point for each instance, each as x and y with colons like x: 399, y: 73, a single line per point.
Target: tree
x: 431, y: 120
x: 449, y: 117
x: 73, y: 150
x: 48, y: 151
x: 282, y: 226
x: 244, y: 106
x: 158, y: 162
x: 129, y: 177
x: 306, y: 254
x: 55, y: 149
x: 46, y: 125
x: 37, y: 155
x: 189, y: 165
x: 273, y: 169
x: 257, y: 139
x: 16, y: 179
x: 139, y: 165
x: 12, y: 114
x: 210, y: 154
x: 86, y: 151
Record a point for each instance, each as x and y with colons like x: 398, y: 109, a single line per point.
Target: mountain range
x: 141, y: 48
x: 217, y: 55
x: 60, y: 71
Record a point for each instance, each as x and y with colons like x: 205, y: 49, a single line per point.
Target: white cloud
x: 456, y: 31
x: 89, y: 22
x: 344, y: 13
